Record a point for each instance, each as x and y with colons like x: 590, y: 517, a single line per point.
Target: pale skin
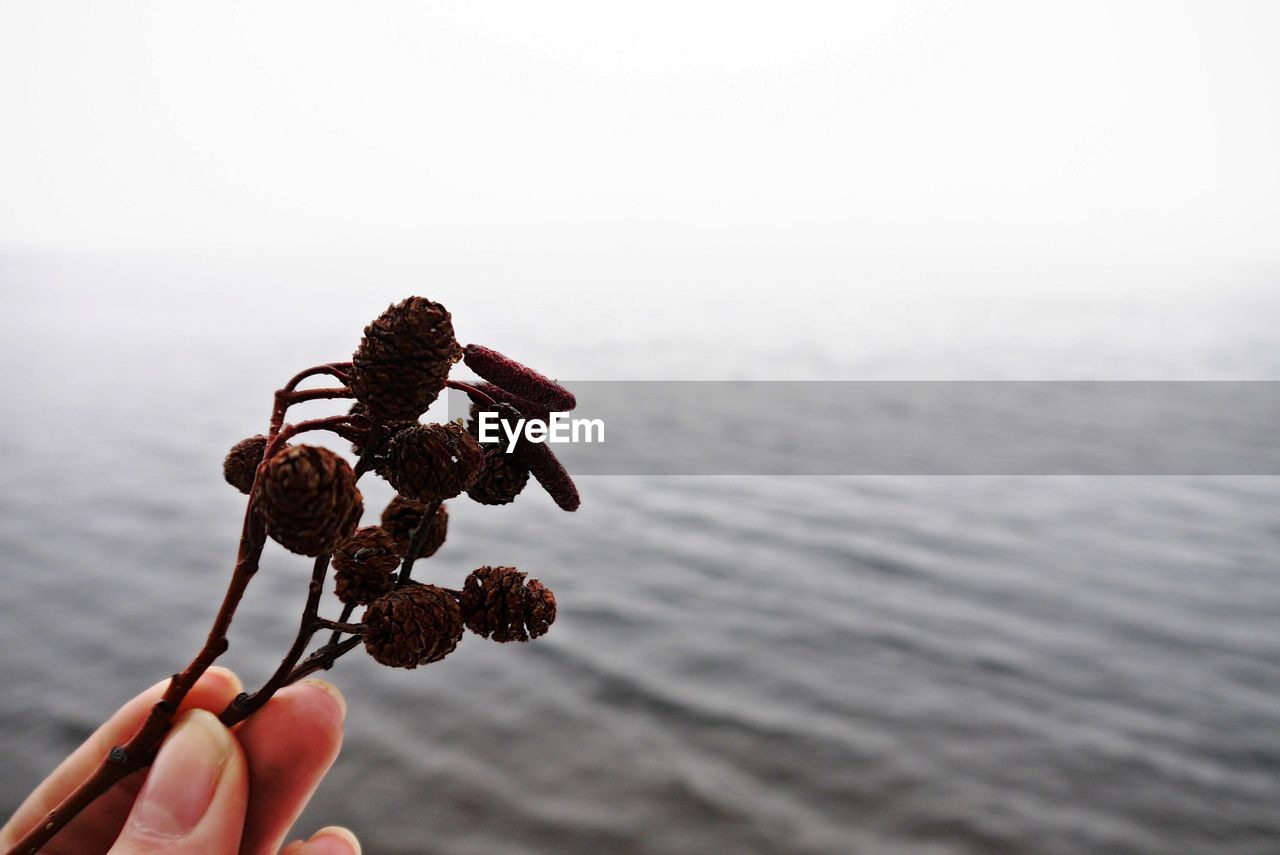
x: 210, y: 790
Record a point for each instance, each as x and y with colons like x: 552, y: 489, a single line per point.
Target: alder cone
x: 432, y: 463
x: 501, y: 478
x: 498, y: 604
x: 365, y: 566
x: 402, y: 516
x: 404, y: 359
x: 241, y: 463
x: 412, y: 626
x: 307, y: 499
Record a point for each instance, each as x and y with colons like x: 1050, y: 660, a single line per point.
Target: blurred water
x: 911, y: 664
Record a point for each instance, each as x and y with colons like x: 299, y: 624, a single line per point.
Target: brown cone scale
x: 412, y: 626
x: 365, y: 565
x: 307, y: 499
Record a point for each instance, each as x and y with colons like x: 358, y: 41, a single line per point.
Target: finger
x: 193, y: 802
x: 290, y: 743
x: 102, y: 820
x: 333, y: 840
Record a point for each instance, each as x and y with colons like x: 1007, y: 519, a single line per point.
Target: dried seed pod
x: 501, y: 478
x: 551, y: 474
x: 241, y: 463
x: 365, y: 565
x: 404, y: 359
x: 431, y: 463
x: 498, y: 604
x: 518, y: 379
x: 307, y: 499
x: 412, y: 626
x: 402, y: 516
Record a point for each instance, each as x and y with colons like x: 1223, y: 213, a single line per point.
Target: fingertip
x: 332, y: 692
x: 290, y: 743
x: 225, y: 676
x: 331, y: 840
x: 195, y: 791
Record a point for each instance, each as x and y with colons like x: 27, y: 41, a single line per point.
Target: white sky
x: 914, y: 127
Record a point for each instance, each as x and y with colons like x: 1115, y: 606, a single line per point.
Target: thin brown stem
x: 337, y: 424
x: 339, y: 370
x: 416, y: 541
x: 323, y: 659
x: 475, y: 394
x: 372, y: 444
x: 246, y: 704
x: 347, y: 610
x: 340, y: 626
x: 318, y: 394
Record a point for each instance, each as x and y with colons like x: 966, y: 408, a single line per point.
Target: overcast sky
x: 912, y: 127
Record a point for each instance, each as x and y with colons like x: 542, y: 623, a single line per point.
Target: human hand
x: 210, y: 790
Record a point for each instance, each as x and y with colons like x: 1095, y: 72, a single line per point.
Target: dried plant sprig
x: 305, y: 497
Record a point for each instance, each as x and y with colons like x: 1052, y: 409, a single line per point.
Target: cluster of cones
x: 416, y: 624
x: 307, y: 499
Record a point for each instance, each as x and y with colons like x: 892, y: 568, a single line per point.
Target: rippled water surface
x: 825, y: 665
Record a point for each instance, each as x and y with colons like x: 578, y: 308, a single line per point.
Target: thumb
x: 194, y: 797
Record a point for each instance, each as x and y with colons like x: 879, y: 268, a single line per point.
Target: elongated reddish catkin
x: 551, y: 474
x: 526, y: 408
x: 518, y: 379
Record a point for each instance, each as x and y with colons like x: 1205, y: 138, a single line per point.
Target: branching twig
x: 323, y: 659
x: 245, y: 704
x: 393, y: 343
x: 286, y: 394
x: 337, y: 424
